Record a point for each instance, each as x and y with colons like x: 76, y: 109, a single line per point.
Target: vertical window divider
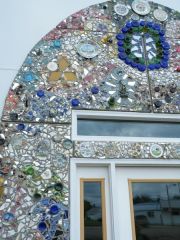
x: 113, y: 201
x: 82, y: 209
x: 132, y: 209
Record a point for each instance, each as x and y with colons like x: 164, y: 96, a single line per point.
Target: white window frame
x: 90, y: 114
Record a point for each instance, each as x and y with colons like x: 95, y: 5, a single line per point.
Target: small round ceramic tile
x: 156, y: 151
x: 67, y: 144
x: 121, y: 9
x: 135, y: 17
x: 52, y: 66
x: 61, y: 159
x: 57, y: 138
x: 160, y: 15
x: 88, y: 49
x: 141, y: 7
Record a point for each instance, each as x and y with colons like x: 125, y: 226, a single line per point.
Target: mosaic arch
x: 120, y: 56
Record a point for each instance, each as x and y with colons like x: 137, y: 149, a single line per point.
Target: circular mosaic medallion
x: 88, y: 49
x: 141, y: 7
x: 136, y: 36
x: 160, y: 15
x: 156, y: 150
x: 121, y: 9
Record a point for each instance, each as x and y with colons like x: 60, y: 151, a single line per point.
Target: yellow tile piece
x: 54, y: 76
x: 70, y: 76
x: 1, y: 181
x: 1, y: 187
x: 1, y: 192
x: 106, y: 39
x: 63, y: 63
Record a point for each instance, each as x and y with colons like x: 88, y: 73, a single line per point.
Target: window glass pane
x: 156, y: 210
x: 92, y: 211
x: 128, y: 128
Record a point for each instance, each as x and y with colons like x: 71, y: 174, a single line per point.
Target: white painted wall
x: 23, y: 23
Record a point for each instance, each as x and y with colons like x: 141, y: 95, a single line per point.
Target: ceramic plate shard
x: 121, y: 9
x: 52, y: 66
x: 88, y: 49
x: 160, y: 15
x: 156, y: 150
x: 141, y: 7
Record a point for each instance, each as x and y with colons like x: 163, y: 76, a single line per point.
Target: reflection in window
x: 93, y: 214
x: 156, y: 210
x: 127, y: 128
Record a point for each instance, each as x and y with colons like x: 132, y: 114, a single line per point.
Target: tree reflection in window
x: 93, y: 215
x: 156, y: 210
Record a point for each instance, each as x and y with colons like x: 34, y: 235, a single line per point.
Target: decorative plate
x: 156, y: 150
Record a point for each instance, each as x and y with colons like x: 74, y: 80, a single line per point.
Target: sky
x: 23, y: 23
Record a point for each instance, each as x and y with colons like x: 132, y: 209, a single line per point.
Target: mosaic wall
x: 129, y: 150
x: 34, y: 164
x: 118, y: 56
